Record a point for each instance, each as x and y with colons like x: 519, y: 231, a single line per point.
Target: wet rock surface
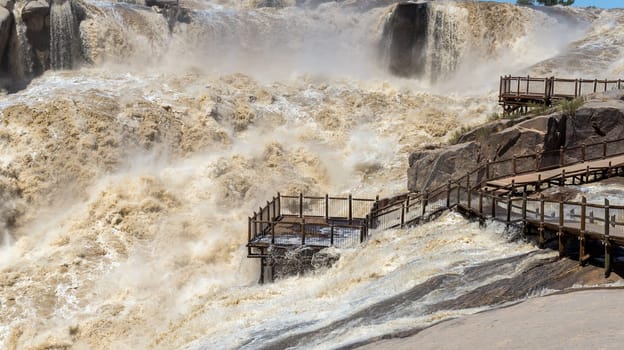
x: 530, y: 274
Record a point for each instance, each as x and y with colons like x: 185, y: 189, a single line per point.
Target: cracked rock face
x: 600, y: 119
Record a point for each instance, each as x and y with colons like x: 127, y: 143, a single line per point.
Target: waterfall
x: 63, y: 35
x: 445, y: 40
x: 21, y: 60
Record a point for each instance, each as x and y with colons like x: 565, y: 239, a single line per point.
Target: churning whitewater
x: 126, y: 178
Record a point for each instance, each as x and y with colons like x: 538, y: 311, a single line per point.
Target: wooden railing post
x: 303, y: 233
x: 604, y: 149
x: 580, y: 87
x: 539, y: 183
x: 541, y: 224
x: 300, y: 205
x: 609, y: 170
x: 458, y: 192
x: 508, y: 209
x: 562, y: 181
x: 350, y: 209
x: 595, y: 85
x: 279, y: 204
x: 582, y: 257
x: 403, y: 214
x: 448, y: 194
x: 255, y: 224
x: 326, y: 207
x: 425, y: 201
x: 260, y: 212
x: 468, y: 189
x: 587, y: 174
x: 560, y: 232
x: 407, y: 204
x: 331, y: 233
x: 274, y: 208
x: 249, y: 229
x: 607, y: 242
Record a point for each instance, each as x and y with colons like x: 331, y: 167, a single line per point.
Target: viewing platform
x: 507, y: 190
x: 522, y: 93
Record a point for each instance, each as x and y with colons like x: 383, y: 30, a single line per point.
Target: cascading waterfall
x: 63, y: 35
x: 446, y: 41
x: 21, y: 62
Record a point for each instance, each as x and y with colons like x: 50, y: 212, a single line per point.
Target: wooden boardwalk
x: 521, y: 93
x: 579, y: 173
x: 507, y: 190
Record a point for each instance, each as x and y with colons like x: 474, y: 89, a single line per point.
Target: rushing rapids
x: 125, y: 182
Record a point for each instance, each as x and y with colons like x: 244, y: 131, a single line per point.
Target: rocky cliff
x: 600, y: 118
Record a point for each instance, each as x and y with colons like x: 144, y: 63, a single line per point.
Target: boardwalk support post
x: 524, y: 215
x: 481, y: 203
x: 541, y: 224
x: 300, y: 205
x: 582, y: 256
x: 331, y: 232
x: 493, y: 207
x: 279, y: 205
x: 303, y: 233
x: 560, y: 232
x: 272, y: 231
x: 607, y: 243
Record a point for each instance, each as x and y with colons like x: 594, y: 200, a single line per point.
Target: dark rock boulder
x: 429, y: 169
x: 404, y: 39
x: 6, y: 23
